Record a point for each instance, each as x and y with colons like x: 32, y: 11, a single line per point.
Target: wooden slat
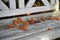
x: 57, y: 5
x: 37, y: 13
x: 3, y: 7
x: 24, y: 11
x: 12, y: 4
x: 30, y: 3
x: 53, y: 2
x: 21, y: 3
x: 46, y: 2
